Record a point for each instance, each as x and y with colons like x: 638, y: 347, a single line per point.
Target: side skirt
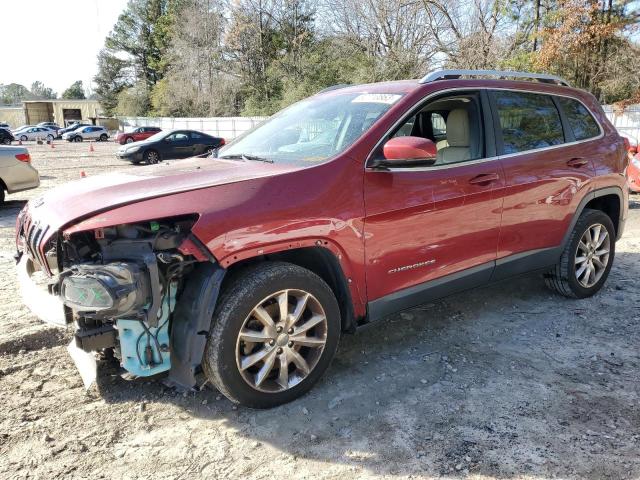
x: 480, y: 275
x: 428, y: 291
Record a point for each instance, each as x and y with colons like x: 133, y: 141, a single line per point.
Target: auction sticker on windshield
x: 387, y: 98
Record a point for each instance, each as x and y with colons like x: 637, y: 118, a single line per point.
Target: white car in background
x: 16, y: 172
x: 87, y: 133
x: 35, y: 133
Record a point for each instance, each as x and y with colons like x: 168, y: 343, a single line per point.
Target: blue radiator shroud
x: 134, y: 340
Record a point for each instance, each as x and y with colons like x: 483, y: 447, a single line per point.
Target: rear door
x: 546, y: 173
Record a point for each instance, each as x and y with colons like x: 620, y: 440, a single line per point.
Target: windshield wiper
x: 244, y: 156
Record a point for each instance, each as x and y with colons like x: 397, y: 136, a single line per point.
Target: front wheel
x: 275, y: 331
x: 129, y: 140
x: 50, y: 138
x: 23, y: 138
x: 6, y: 141
x: 151, y: 157
x: 587, y: 258
x: 103, y: 137
x: 77, y: 138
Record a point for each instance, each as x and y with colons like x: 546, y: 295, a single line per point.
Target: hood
x: 133, y: 144
x: 79, y: 199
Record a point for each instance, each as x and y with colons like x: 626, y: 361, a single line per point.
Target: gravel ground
x: 508, y: 381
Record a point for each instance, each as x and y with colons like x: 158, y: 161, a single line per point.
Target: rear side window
x: 528, y: 121
x: 582, y: 123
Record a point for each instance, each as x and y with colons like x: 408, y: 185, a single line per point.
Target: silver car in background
x: 16, y: 172
x: 35, y: 133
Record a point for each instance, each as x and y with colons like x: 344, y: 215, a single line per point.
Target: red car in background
x: 633, y: 168
x: 633, y: 173
x: 140, y: 133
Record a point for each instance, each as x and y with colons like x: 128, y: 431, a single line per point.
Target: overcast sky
x: 56, y: 42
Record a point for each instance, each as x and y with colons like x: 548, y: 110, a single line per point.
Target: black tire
x: 1, y: 195
x: 23, y: 138
x: 151, y: 157
x: 562, y: 277
x: 77, y: 138
x: 6, y: 141
x: 129, y: 140
x: 243, y: 292
x: 103, y: 137
x: 50, y: 138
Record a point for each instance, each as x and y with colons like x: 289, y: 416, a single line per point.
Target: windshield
x: 157, y: 136
x: 312, y: 130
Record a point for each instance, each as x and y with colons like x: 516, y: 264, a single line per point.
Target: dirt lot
x: 509, y: 381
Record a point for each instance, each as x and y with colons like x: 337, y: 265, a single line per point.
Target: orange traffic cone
x: 82, y: 174
x: 91, y: 147
x: 51, y: 144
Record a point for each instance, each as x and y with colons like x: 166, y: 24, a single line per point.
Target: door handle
x: 484, y: 179
x: 577, y: 162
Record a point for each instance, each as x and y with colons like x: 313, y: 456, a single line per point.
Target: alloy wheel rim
x: 153, y: 157
x: 281, y: 341
x: 592, y: 255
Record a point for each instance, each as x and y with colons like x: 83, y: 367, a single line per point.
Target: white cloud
x: 56, y: 42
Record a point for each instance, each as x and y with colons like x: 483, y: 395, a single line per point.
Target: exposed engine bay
x: 120, y: 286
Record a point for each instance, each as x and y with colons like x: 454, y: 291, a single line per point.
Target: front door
x: 178, y: 145
x: 436, y: 223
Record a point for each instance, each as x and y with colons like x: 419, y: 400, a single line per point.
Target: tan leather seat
x: 458, y: 138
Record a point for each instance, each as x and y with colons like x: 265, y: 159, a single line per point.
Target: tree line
x: 15, y: 93
x: 253, y: 57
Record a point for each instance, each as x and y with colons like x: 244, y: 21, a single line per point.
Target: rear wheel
x: 6, y: 141
x: 50, y: 138
x: 275, y: 331
x: 151, y: 157
x: 1, y: 195
x: 103, y: 137
x: 587, y: 258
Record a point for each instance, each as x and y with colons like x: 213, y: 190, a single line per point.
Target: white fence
x: 225, y: 127
x: 627, y: 123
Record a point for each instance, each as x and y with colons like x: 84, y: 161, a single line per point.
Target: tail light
x: 222, y: 142
x: 24, y: 157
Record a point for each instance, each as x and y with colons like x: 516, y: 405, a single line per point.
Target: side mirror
x: 407, y: 151
x: 409, y: 148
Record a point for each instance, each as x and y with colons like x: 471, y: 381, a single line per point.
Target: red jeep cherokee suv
x: 346, y: 207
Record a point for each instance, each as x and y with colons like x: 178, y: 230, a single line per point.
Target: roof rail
x: 452, y: 74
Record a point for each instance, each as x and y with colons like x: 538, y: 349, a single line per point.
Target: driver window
x: 453, y: 123
x: 177, y: 137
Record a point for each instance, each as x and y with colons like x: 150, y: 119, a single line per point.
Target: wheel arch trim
x: 601, y: 192
x: 353, y: 306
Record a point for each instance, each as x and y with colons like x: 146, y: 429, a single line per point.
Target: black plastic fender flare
x: 587, y: 198
x: 192, y: 321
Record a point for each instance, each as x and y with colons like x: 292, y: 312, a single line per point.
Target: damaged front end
x: 133, y: 289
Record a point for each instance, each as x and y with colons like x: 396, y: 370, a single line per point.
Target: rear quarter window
x: 580, y: 120
x: 528, y: 121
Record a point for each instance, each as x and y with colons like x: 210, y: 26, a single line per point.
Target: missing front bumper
x: 47, y: 307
